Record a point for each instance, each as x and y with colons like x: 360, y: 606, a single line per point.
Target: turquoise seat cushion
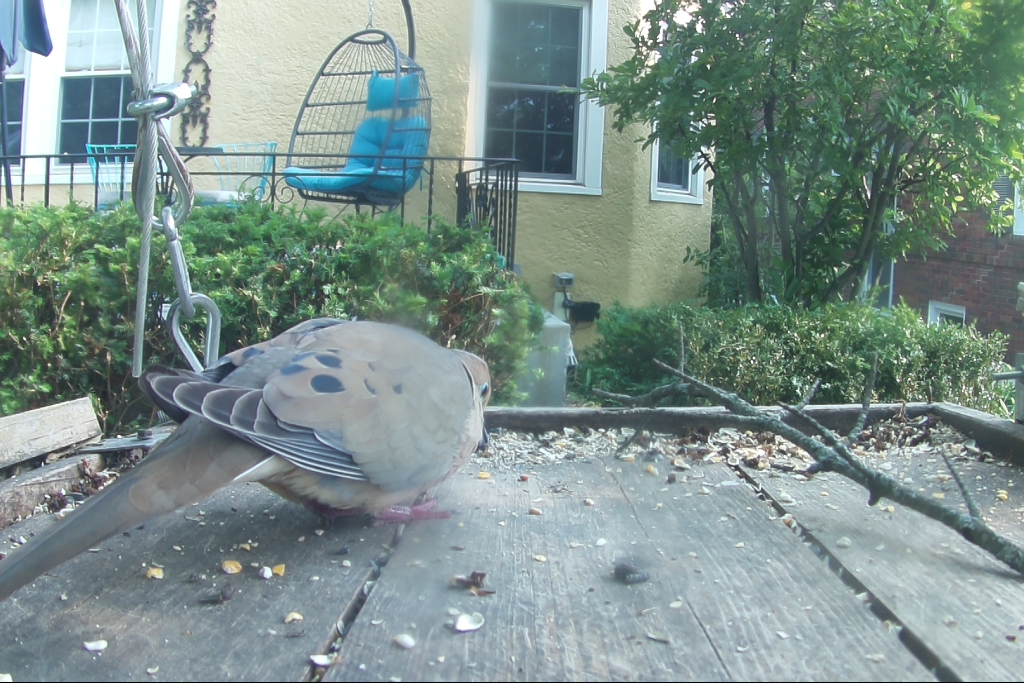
x: 380, y: 94
x: 361, y: 175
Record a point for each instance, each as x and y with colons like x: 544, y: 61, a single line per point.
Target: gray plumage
x: 345, y: 417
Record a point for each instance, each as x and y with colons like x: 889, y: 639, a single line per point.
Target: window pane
x: 565, y: 26
x: 73, y: 137
x: 129, y: 132
x: 532, y: 64
x: 14, y: 92
x: 558, y: 154
x: 562, y: 112
x: 673, y: 172
x: 94, y: 35
x: 499, y: 145
x: 106, y: 98
x: 110, y: 54
x: 501, y: 108
x: 532, y: 107
x: 529, y: 149
x: 76, y: 98
x: 103, y: 133
x: 565, y: 68
x: 533, y: 23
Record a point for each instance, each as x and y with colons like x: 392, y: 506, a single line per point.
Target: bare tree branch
x: 972, y: 508
x: 831, y: 454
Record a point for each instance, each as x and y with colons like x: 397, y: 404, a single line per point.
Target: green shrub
x: 67, y: 293
x: 769, y: 354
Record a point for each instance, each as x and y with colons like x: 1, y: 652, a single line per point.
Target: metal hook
x: 212, y: 347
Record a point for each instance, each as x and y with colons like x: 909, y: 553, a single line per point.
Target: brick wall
x: 979, y: 271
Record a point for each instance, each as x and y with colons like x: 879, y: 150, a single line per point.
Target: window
x: 940, y: 313
x: 78, y: 93
x: 1018, y: 210
x: 528, y: 61
x: 14, y: 94
x: 97, y: 85
x: 1009, y: 193
x: 532, y: 92
x: 674, y: 179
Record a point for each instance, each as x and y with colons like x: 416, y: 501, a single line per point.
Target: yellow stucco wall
x: 620, y: 245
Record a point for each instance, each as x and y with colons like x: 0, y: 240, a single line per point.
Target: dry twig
x: 833, y: 453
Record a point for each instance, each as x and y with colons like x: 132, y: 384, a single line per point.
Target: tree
x: 817, y: 116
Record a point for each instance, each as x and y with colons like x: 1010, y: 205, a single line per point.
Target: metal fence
x: 476, y: 192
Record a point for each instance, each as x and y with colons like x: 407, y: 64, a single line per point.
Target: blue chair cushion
x: 381, y: 92
x: 395, y: 176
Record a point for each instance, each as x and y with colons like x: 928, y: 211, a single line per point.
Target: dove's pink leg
x: 403, y: 513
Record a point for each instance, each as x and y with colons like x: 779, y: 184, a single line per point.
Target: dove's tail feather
x: 193, y: 463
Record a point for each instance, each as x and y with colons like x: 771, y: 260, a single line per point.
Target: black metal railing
x: 478, y: 192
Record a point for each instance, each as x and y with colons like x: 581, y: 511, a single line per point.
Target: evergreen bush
x: 768, y: 354
x: 67, y: 293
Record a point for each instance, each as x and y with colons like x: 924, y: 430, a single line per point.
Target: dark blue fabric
x: 24, y: 21
x: 36, y: 34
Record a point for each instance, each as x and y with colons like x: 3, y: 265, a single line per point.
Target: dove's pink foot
x: 403, y: 513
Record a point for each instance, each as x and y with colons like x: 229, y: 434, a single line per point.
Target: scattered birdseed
x: 95, y: 645
x: 405, y: 641
x: 321, y: 661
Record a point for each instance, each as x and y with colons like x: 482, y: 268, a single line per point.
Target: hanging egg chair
x: 364, y: 128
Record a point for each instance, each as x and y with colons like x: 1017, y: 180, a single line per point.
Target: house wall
x: 620, y: 245
x: 979, y: 271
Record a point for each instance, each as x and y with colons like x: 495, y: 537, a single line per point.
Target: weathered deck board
x: 926, y: 574
x: 43, y: 430
x: 150, y: 623
x: 563, y: 619
x: 20, y: 494
x: 568, y: 619
x: 744, y: 597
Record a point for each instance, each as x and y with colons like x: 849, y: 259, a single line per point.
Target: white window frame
x: 665, y: 193
x: 1018, y: 210
x: 594, y: 59
x: 936, y: 309
x: 41, y: 124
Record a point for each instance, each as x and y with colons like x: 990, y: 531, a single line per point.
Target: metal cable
x: 151, y: 103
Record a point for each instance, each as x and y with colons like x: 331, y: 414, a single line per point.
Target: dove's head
x: 478, y: 370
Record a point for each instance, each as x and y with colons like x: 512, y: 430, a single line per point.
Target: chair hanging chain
x: 369, y: 22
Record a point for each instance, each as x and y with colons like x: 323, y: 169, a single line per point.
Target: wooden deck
x: 733, y: 593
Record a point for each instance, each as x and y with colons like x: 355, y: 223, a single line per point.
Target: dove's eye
x: 484, y: 390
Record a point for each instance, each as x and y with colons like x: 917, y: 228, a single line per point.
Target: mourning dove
x: 344, y: 417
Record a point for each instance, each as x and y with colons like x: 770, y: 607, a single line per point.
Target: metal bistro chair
x: 244, y: 170
x: 111, y: 167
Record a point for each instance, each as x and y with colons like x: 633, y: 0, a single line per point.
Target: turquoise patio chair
x: 244, y: 170
x: 111, y: 167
